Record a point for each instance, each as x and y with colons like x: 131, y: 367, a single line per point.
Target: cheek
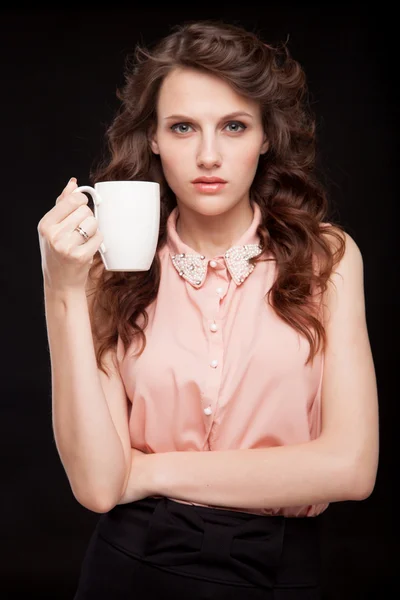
x: 247, y: 159
x: 171, y: 166
x: 174, y: 164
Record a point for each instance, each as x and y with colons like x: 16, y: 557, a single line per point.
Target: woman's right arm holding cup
x: 90, y: 414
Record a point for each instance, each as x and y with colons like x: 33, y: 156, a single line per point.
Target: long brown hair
x: 293, y: 202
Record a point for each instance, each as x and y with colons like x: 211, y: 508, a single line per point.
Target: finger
x: 76, y: 216
x: 69, y: 188
x: 91, y: 246
x: 88, y: 226
x: 66, y: 207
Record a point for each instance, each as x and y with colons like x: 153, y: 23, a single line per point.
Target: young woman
x: 212, y: 407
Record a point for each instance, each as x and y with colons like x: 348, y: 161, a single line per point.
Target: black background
x: 59, y: 73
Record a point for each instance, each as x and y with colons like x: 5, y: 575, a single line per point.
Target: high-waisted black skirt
x: 157, y: 548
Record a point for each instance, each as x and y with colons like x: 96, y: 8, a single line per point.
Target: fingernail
x: 72, y: 179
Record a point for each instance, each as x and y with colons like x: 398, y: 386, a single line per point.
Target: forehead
x: 188, y: 90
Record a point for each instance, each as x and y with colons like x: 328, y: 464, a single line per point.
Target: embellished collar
x: 192, y: 266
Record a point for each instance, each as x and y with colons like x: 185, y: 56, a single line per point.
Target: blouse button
x: 207, y: 411
x: 219, y: 291
x: 214, y: 327
x: 213, y: 263
x: 214, y: 363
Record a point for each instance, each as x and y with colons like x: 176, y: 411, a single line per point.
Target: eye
x: 180, y: 127
x: 237, y: 126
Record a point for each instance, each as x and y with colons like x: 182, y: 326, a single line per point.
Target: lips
x: 208, y: 180
x: 209, y: 185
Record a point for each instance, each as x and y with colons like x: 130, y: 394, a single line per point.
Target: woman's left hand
x: 140, y: 482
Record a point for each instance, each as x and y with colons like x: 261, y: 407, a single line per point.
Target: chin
x: 211, y: 209
x: 210, y: 206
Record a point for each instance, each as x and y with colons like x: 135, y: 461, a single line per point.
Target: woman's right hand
x: 66, y: 255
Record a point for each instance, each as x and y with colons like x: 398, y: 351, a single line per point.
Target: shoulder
x: 346, y: 253
x: 344, y: 295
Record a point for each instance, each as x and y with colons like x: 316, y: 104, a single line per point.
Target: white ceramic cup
x: 128, y: 215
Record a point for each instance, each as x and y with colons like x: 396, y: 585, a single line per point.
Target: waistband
x: 217, y: 544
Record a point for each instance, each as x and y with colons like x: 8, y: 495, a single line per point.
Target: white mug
x: 128, y: 215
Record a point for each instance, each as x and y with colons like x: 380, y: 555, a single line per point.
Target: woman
x: 212, y: 407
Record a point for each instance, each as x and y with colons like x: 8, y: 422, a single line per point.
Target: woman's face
x: 205, y: 129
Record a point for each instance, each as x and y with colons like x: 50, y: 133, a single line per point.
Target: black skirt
x: 158, y: 548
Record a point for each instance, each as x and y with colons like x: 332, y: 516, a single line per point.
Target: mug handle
x: 97, y: 199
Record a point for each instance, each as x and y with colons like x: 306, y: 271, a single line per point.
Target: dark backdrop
x: 60, y: 70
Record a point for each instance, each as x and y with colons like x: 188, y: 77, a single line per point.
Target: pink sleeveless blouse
x: 220, y: 369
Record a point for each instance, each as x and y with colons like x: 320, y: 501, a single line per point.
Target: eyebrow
x: 234, y: 115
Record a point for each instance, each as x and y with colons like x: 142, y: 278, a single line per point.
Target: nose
x: 208, y: 154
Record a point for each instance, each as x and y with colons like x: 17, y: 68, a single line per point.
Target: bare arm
x: 89, y: 409
x: 340, y: 465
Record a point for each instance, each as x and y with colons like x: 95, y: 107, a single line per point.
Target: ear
x: 153, y: 141
x: 265, y: 145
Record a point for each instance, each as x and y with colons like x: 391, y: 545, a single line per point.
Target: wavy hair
x: 293, y: 202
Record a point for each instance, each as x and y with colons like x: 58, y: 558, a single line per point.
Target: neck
x: 212, y: 236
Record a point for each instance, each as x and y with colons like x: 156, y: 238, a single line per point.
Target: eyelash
x: 242, y: 125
